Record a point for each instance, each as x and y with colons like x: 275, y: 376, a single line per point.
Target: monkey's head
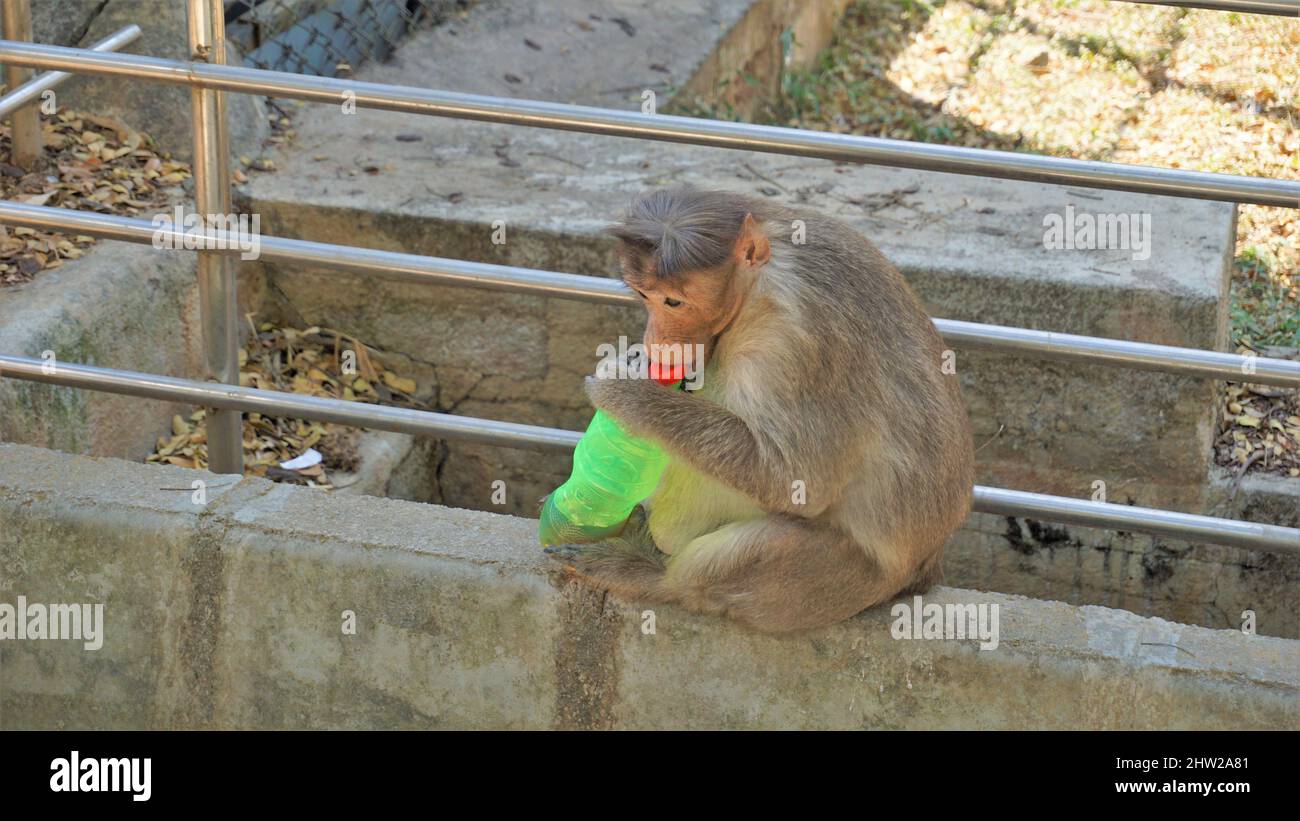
x: 693, y: 257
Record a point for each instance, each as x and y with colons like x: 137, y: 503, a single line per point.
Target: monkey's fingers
x: 638, y: 523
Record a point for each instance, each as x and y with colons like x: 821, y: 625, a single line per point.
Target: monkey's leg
x: 628, y: 565
x: 777, y: 574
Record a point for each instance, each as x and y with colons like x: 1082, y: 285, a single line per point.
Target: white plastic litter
x: 309, y: 458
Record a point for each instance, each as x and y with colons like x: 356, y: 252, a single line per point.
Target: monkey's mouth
x: 667, y: 374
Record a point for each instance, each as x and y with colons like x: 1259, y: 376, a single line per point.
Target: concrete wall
x: 743, y: 73
x: 229, y: 614
x: 1200, y: 584
x: 120, y: 306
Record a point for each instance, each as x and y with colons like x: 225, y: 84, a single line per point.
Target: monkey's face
x: 689, y: 309
x: 684, y: 315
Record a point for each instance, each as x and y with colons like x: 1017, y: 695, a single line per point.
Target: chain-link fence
x: 327, y: 37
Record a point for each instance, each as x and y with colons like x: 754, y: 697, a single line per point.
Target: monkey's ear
x: 633, y: 250
x: 620, y: 232
x: 752, y: 249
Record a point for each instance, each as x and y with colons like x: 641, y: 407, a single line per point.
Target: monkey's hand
x: 637, y: 403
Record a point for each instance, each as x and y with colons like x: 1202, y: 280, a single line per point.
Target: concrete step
x: 120, y: 306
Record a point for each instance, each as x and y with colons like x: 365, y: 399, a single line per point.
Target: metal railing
x: 440, y: 271
x: 1285, y: 8
x: 217, y: 294
x: 218, y: 308
x: 28, y: 92
x: 233, y: 399
x: 978, y: 162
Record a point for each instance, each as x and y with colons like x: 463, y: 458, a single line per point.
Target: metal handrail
x: 33, y: 88
x: 441, y: 271
x: 280, y: 403
x: 1285, y: 8
x: 746, y: 136
x: 1248, y: 535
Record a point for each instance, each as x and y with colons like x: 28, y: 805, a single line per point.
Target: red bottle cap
x: 667, y: 375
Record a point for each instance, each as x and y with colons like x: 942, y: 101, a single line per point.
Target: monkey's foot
x: 621, y: 564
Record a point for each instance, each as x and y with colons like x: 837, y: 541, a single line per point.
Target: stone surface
x: 120, y: 306
x: 62, y: 22
x: 229, y: 614
x: 600, y: 52
x: 394, y: 466
x: 1209, y: 585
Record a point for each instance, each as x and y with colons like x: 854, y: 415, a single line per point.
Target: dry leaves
x: 94, y: 164
x: 315, y: 362
x: 1260, y: 431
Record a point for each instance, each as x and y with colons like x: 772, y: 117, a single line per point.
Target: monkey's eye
x: 639, y: 293
x: 672, y: 303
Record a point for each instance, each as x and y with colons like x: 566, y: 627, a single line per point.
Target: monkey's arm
x: 708, y: 437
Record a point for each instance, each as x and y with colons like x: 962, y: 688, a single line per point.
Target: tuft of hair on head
x: 683, y: 229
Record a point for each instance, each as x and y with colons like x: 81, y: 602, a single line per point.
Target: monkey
x: 825, y: 458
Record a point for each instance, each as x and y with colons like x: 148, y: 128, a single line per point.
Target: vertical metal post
x: 28, y: 144
x: 217, y: 305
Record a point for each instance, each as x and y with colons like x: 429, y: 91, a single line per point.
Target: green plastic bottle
x: 612, y: 473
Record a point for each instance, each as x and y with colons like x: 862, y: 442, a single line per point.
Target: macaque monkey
x: 826, y: 457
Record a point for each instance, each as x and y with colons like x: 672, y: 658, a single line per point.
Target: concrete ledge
x: 229, y: 615
x: 120, y: 306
